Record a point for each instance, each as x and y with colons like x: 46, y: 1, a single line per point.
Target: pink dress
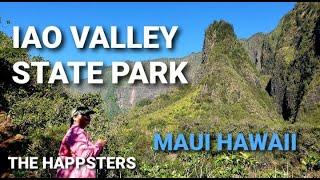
x: 77, y: 143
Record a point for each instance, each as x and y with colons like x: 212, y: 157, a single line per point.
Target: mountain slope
x: 228, y: 98
x: 233, y: 95
x: 237, y: 86
x: 34, y: 117
x: 121, y: 97
x: 290, y: 55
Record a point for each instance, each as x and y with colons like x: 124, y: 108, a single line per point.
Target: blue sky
x: 192, y: 19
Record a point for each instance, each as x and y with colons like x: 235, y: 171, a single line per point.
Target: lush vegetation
x: 39, y: 112
x: 227, y: 95
x: 228, y: 99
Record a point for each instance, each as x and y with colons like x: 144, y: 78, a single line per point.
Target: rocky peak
x: 219, y: 32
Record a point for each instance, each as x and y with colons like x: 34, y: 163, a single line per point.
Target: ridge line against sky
x: 192, y: 19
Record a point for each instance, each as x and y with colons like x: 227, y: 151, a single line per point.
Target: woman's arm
x: 81, y: 146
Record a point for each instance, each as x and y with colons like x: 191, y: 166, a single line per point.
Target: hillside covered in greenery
x: 267, y: 83
x: 34, y: 117
x: 276, y: 90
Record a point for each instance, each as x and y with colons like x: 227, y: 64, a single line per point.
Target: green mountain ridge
x: 267, y: 83
x: 237, y: 93
x: 272, y: 54
x: 290, y: 55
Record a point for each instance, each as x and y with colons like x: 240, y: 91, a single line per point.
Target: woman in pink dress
x: 77, y: 143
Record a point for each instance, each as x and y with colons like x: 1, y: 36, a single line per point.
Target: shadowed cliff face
x: 290, y: 55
